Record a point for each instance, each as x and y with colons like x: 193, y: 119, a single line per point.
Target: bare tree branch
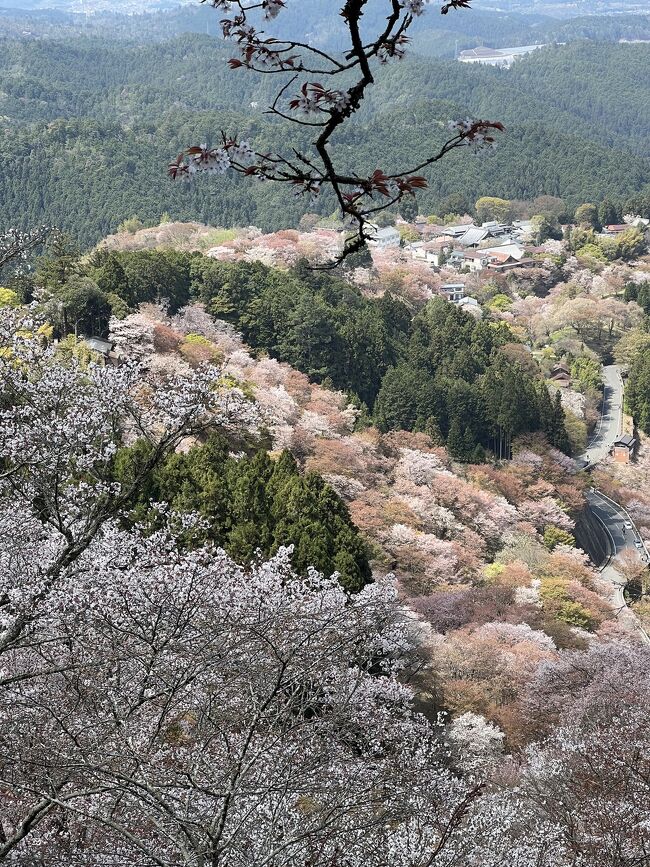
x: 325, y: 108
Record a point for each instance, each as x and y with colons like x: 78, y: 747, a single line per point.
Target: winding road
x: 616, y: 523
x: 611, y: 419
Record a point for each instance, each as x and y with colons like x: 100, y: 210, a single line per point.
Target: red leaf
x: 417, y: 182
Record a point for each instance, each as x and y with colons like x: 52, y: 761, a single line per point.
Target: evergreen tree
x: 61, y: 261
x: 456, y: 441
x: 558, y: 435
x: 609, y: 214
x: 637, y: 392
x: 111, y: 278
x: 252, y: 504
x: 432, y: 430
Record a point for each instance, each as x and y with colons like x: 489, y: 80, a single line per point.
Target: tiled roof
x: 472, y: 236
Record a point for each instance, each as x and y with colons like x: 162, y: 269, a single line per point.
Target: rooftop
x: 481, y: 52
x: 513, y: 250
x: 99, y: 344
x: 388, y: 232
x: 472, y: 236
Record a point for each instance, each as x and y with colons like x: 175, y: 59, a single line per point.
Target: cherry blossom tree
x: 477, y: 741
x: 545, y: 512
x: 180, y: 711
x: 16, y: 245
x: 61, y: 426
x: 589, y: 778
x: 163, y: 707
x: 305, y: 101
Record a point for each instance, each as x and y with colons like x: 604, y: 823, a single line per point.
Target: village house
x: 430, y: 251
x: 476, y: 260
x: 457, y: 260
x: 473, y: 236
x: 516, y: 251
x: 385, y: 238
x: 505, y: 257
x: 454, y: 292
x: 506, y: 262
x: 455, y: 231
x: 102, y: 347
x: 560, y: 376
x: 623, y: 448
x: 495, y: 229
x: 523, y: 230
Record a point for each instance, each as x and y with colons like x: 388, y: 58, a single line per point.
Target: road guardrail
x: 625, y: 512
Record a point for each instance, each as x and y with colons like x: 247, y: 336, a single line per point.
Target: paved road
x: 610, y: 423
x: 621, y: 537
x: 621, y: 533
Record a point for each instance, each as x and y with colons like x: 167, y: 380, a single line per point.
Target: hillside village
x: 565, y: 306
x: 468, y: 264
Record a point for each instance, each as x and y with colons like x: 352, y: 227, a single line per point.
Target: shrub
x: 554, y: 536
x: 197, y: 350
x: 132, y: 225
x: 500, y: 302
x: 574, y: 614
x: 165, y: 339
x: 8, y: 297
x: 556, y: 599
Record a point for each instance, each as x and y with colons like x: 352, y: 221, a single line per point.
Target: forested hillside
x: 441, y: 372
x: 89, y: 126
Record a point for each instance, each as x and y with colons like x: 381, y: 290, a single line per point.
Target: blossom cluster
x: 393, y: 49
x: 16, y: 244
x: 314, y: 97
x: 477, y: 134
x: 211, y: 160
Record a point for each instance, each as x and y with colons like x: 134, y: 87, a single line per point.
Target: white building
x: 382, y: 239
x: 502, y: 57
x: 454, y: 292
x: 471, y: 306
x: 476, y: 260
x: 513, y: 250
x: 502, y: 257
x: 431, y: 252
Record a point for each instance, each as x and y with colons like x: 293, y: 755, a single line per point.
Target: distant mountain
x: 90, y: 7
x: 433, y: 34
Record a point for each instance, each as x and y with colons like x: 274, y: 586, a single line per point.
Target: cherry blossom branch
x: 326, y: 108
